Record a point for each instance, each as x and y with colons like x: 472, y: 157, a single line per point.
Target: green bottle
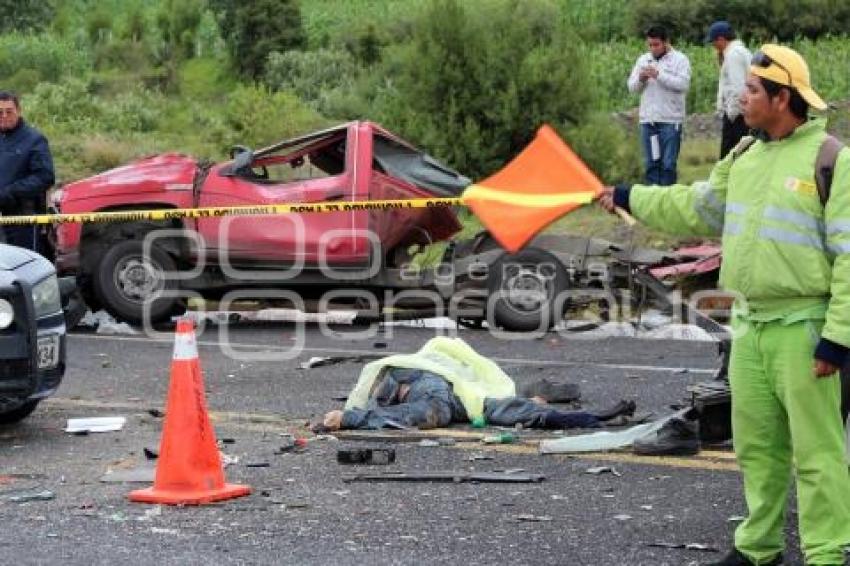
x: 503, y: 438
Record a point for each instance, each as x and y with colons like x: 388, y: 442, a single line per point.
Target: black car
x: 32, y: 332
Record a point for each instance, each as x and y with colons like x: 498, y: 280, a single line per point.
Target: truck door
x: 318, y: 171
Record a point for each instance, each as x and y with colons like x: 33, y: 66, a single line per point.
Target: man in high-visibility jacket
x: 787, y: 257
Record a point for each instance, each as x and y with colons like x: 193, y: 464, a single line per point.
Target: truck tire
x: 18, y: 414
x: 524, y: 291
x: 125, y: 280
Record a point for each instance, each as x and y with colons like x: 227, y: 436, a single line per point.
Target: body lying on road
x: 418, y: 398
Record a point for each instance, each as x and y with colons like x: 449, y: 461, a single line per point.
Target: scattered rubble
x: 599, y: 470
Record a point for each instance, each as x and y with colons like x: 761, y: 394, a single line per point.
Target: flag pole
x: 625, y: 217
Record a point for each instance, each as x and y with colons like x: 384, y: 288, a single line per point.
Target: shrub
x: 69, y: 105
x: 459, y: 92
x: 25, y: 15
x: 255, y: 29
x: 204, y: 79
x: 136, y: 111
x: 314, y: 76
x: 609, y: 149
x: 48, y: 56
x: 256, y: 117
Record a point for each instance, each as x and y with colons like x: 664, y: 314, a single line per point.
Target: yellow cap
x: 785, y: 66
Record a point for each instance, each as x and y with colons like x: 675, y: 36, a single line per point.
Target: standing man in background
x: 734, y: 60
x: 662, y: 77
x: 26, y: 171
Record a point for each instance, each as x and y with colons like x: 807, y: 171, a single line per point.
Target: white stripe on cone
x: 185, y: 346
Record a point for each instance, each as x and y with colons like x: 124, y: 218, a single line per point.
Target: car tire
x: 18, y: 414
x: 524, y: 290
x: 124, y: 280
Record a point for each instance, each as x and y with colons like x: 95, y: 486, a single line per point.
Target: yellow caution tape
x: 526, y: 199
x: 217, y: 212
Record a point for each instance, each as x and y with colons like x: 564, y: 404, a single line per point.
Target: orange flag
x: 544, y: 182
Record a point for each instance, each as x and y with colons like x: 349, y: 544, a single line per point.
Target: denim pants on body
x: 660, y: 157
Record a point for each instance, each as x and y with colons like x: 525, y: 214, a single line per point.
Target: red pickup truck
x: 358, y: 161
x: 145, y: 270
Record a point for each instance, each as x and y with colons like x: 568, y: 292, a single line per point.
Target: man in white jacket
x: 734, y: 65
x: 662, y: 77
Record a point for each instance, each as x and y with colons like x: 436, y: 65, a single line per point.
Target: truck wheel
x: 524, y: 290
x: 19, y: 414
x: 125, y: 280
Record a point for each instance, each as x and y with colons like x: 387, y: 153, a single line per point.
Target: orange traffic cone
x: 189, y: 470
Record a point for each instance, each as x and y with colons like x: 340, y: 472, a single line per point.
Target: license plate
x: 48, y: 352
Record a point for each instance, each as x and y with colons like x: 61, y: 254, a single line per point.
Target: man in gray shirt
x: 662, y: 77
x: 734, y: 66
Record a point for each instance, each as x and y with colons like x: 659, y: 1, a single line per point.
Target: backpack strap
x: 743, y: 145
x: 825, y: 166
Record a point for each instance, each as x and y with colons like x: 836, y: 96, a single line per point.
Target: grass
x: 697, y: 157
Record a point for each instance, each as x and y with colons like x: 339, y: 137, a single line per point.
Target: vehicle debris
x: 599, y: 470
x: 455, y: 477
x: 95, y: 424
x: 479, y: 457
x: 369, y: 456
x: 605, y: 440
x: 141, y: 474
x: 27, y: 496
x: 317, y: 361
x: 532, y: 518
x: 684, y: 546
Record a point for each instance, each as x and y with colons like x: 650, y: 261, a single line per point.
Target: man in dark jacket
x: 26, y: 171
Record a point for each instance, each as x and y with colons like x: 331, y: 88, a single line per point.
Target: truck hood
x: 165, y: 172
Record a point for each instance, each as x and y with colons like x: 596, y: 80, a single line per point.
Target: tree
x: 474, y: 84
x: 178, y: 21
x: 255, y: 29
x: 25, y: 15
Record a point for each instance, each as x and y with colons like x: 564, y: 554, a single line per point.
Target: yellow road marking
x: 719, y: 460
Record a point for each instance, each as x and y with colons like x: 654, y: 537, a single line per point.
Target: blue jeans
x: 661, y: 171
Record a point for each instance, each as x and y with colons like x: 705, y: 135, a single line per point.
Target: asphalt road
x: 301, y: 510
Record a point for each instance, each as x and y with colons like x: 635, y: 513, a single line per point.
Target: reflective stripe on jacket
x: 782, y: 250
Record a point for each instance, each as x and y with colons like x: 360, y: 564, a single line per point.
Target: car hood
x: 165, y: 172
x: 13, y: 257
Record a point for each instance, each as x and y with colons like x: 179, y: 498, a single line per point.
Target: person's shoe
x: 677, y: 437
x: 735, y: 558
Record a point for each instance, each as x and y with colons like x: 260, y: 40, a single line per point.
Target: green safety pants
x: 783, y: 415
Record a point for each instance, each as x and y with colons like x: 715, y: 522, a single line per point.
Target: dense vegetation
x: 470, y: 81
